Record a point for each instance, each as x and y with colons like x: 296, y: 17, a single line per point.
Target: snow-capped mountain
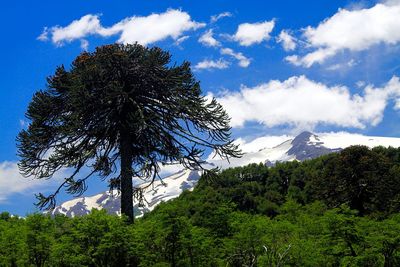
x: 268, y: 150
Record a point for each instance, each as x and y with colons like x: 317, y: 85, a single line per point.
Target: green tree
x: 103, y: 239
x: 39, y: 238
x: 13, y: 248
x: 343, y: 235
x: 364, y: 179
x: 123, y: 104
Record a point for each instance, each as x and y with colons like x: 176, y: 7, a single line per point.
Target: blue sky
x: 278, y: 67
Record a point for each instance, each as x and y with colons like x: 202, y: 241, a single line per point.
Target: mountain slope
x: 302, y: 147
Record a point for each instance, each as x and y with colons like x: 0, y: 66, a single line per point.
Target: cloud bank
x: 302, y: 103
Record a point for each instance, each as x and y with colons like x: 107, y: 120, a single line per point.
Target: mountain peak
x: 303, y: 137
x: 308, y: 146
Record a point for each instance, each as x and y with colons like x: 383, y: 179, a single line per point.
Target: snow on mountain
x: 267, y: 150
x: 172, y: 187
x: 343, y: 139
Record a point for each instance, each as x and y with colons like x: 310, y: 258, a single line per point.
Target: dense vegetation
x: 338, y: 210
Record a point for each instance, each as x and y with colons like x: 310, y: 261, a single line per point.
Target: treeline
x: 367, y: 180
x: 337, y: 210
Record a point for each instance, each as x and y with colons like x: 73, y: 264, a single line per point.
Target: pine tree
x: 120, y: 111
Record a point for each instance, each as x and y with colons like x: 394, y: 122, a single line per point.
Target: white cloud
x: 253, y: 33
x: 215, y: 18
x: 144, y: 30
x: 211, y: 64
x: 244, y: 62
x: 44, y: 36
x: 287, y: 40
x: 12, y: 182
x: 303, y: 103
x: 77, y: 29
x: 180, y: 40
x: 156, y: 27
x: 84, y: 44
x: 293, y: 59
x: 308, y: 60
x: 208, y: 39
x: 360, y: 84
x: 351, y: 30
x: 342, y: 66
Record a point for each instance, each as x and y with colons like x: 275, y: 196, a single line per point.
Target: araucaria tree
x: 118, y: 113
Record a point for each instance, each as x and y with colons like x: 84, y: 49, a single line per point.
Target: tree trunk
x: 126, y: 176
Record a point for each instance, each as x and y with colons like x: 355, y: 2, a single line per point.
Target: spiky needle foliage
x: 121, y: 106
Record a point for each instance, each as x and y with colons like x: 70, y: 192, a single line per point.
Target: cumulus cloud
x: 288, y: 41
x: 77, y: 29
x: 248, y: 34
x: 208, y: 39
x: 12, y: 182
x: 211, y: 64
x: 144, y: 30
x: 303, y: 103
x: 215, y: 18
x: 244, y: 62
x: 351, y: 30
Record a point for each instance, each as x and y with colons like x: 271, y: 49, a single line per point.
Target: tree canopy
x: 123, y: 108
x: 248, y: 216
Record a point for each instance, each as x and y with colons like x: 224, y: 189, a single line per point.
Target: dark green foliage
x: 121, y: 107
x: 309, y: 235
x: 39, y: 238
x: 247, y: 216
x: 367, y: 180
x: 13, y: 245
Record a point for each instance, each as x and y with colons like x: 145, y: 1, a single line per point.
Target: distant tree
x: 5, y: 216
x: 126, y: 105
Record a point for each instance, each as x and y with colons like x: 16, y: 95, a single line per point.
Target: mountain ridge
x: 302, y: 147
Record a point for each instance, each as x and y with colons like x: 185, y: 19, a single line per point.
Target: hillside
x: 340, y: 209
x: 267, y: 150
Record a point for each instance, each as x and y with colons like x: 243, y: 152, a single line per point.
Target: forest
x: 341, y: 209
